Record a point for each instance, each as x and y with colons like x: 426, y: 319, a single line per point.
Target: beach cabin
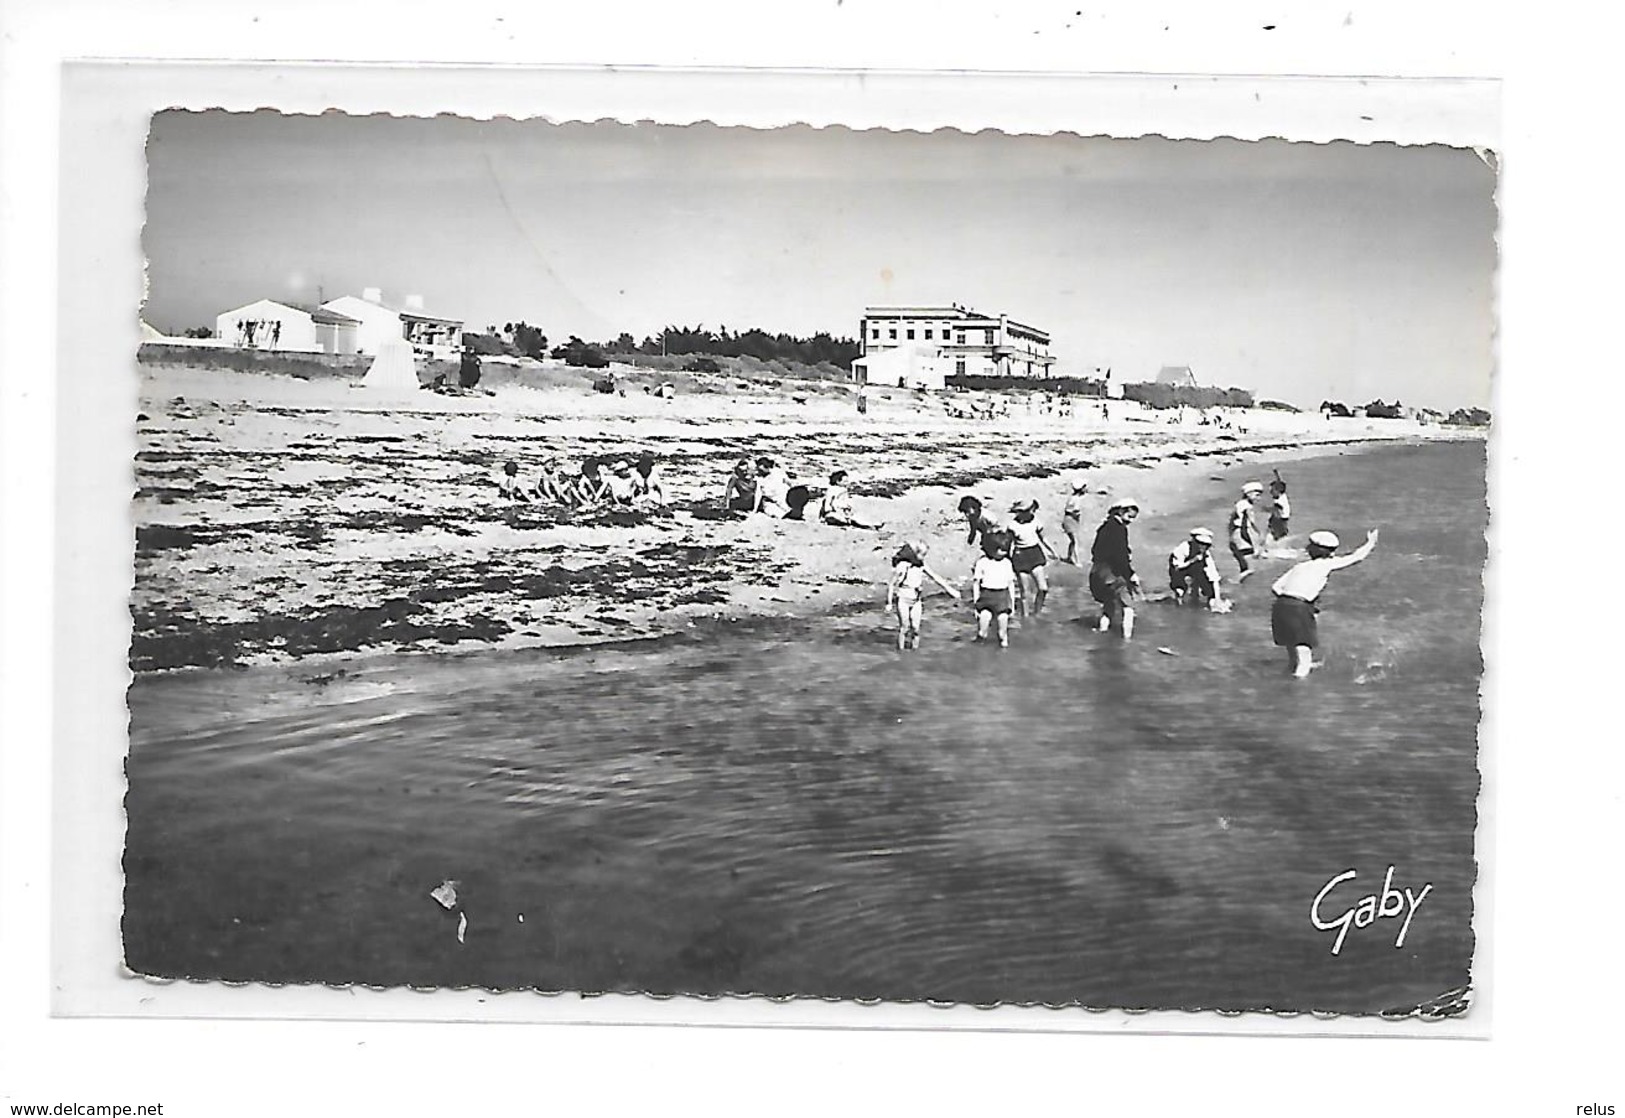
x: 974, y: 344
x: 913, y: 367
x: 270, y: 325
x: 430, y: 335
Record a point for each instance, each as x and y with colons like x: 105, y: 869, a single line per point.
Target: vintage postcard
x: 957, y: 567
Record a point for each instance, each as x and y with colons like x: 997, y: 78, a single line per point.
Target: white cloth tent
x: 393, y: 370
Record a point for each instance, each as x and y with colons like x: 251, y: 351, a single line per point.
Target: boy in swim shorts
x: 993, y: 589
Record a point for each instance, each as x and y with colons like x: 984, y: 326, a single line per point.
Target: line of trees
x: 1157, y: 395
x: 522, y: 339
x: 822, y: 347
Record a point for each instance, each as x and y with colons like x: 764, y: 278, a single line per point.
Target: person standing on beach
x: 1112, y: 580
x: 468, y: 370
x: 772, y: 489
x: 1029, y: 550
x: 1072, y: 518
x: 1243, y: 528
x: 993, y: 588
x: 1280, y: 508
x: 1292, y: 618
x: 907, y: 588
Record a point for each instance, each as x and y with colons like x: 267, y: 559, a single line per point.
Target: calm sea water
x: 801, y: 809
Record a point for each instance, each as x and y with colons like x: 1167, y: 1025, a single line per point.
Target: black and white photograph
x: 968, y: 568
x: 812, y: 558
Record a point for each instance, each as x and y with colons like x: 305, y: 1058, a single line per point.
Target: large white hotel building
x: 974, y: 343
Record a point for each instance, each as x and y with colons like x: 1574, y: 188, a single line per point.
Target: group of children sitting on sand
x: 1008, y: 576
x: 599, y: 482
x: 763, y: 487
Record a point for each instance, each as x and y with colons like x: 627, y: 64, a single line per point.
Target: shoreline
x: 347, y: 529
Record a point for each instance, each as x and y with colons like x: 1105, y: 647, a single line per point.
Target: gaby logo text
x: 1389, y: 904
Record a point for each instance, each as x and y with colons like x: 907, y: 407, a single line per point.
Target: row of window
x: 930, y: 335
x: 891, y: 332
x: 959, y: 367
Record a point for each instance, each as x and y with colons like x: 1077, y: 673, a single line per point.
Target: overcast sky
x: 1298, y: 270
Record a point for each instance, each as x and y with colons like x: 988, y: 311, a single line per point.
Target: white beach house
x: 430, y: 335
x: 268, y: 324
x: 903, y: 367
x: 969, y: 342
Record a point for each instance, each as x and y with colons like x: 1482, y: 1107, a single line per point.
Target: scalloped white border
x: 105, y: 107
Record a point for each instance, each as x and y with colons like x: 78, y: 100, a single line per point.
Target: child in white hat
x: 1029, y: 551
x: 1292, y: 619
x: 1192, y: 573
x: 1243, y: 528
x: 1112, y: 581
x: 1072, y: 518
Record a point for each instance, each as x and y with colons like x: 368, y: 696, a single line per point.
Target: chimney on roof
x: 414, y: 302
x: 373, y: 294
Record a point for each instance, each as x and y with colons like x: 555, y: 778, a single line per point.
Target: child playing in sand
x: 836, y: 507
x: 508, y: 483
x: 648, y: 486
x: 619, y: 483
x: 772, y: 489
x: 1280, y: 508
x: 1072, y: 519
x: 1112, y: 580
x: 1243, y: 528
x: 1029, y: 550
x: 993, y: 588
x: 1193, y: 576
x: 1292, y: 619
x: 551, y: 484
x: 740, y: 496
x: 590, y: 487
x: 906, y: 589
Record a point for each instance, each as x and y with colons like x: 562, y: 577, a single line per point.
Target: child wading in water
x: 1193, y: 576
x: 993, y: 588
x: 1292, y: 619
x: 1072, y: 519
x: 1243, y: 528
x: 1280, y: 508
x: 1028, y: 551
x: 1112, y: 580
x: 907, y: 588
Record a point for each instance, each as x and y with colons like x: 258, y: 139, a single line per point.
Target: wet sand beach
x: 279, y: 518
